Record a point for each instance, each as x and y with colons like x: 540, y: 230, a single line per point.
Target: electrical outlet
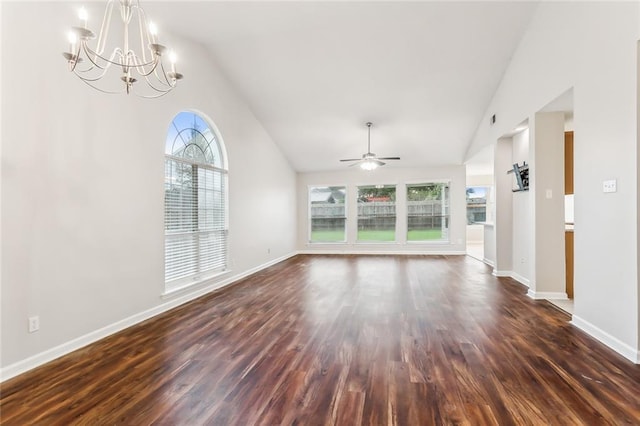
x: 609, y: 185
x: 34, y: 324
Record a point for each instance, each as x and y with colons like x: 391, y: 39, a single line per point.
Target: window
x: 328, y: 215
x: 477, y: 201
x: 428, y: 212
x: 377, y: 213
x: 195, y: 201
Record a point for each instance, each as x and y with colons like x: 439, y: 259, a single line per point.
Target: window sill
x: 192, y: 285
x: 364, y: 243
x: 325, y: 243
x: 429, y: 242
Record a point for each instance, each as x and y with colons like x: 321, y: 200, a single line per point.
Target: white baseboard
x: 622, y: 348
x: 511, y: 274
x: 538, y: 295
x: 41, y: 358
x: 387, y: 252
x: 520, y: 278
x: 488, y: 262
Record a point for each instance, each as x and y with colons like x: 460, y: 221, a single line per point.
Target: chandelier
x: 142, y: 73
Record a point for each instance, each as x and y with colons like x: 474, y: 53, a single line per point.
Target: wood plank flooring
x: 344, y: 340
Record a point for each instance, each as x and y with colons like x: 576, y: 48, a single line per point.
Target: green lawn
x: 389, y: 235
x: 424, y: 235
x: 338, y: 236
x: 327, y: 236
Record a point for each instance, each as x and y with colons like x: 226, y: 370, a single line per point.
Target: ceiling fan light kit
x: 369, y: 160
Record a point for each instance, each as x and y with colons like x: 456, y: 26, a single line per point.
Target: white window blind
x: 195, y: 203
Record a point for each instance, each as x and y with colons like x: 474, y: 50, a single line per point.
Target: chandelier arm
x: 82, y: 77
x: 143, y: 23
x: 104, y: 29
x: 88, y: 83
x: 164, y: 80
x: 108, y: 61
x: 141, y: 66
x: 76, y: 58
x: 151, y: 84
x: 158, y: 93
x: 93, y: 58
x: 80, y: 74
x: 164, y: 75
x: 170, y: 83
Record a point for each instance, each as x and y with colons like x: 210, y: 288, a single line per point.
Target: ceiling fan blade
x: 356, y: 163
x: 352, y: 159
x: 388, y: 158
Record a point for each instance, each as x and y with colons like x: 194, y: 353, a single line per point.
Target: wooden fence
x: 381, y: 215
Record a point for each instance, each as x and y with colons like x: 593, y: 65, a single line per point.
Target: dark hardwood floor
x: 346, y: 340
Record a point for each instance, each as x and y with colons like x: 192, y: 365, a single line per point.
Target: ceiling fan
x: 369, y: 161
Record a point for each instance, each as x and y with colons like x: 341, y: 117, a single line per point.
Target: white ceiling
x: 314, y: 72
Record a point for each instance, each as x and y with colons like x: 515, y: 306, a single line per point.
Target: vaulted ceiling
x: 314, y: 72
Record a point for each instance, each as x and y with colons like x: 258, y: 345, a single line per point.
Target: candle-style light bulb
x: 153, y: 30
x: 73, y: 39
x: 173, y: 59
x: 84, y: 16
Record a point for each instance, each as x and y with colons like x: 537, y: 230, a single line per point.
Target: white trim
x: 427, y: 242
x: 617, y: 345
x: 50, y: 354
x: 539, y: 295
x: 488, y: 262
x: 392, y: 252
x: 520, y: 279
x: 512, y: 275
x: 192, y: 285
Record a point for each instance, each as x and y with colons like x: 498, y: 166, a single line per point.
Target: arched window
x: 195, y: 202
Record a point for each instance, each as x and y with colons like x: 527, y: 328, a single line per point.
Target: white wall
x: 547, y: 187
x: 521, y: 214
x: 475, y: 233
x: 503, y: 225
x: 1, y: 161
x: 479, y: 180
x: 490, y: 244
x: 590, y: 47
x: 82, y: 189
x: 353, y: 177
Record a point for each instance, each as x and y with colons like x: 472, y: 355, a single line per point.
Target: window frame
x: 487, y: 204
x: 310, y: 217
x: 217, y: 225
x: 395, y: 208
x: 447, y: 217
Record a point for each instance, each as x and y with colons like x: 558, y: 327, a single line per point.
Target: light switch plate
x: 609, y: 185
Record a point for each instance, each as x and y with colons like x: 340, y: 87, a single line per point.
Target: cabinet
x: 568, y: 190
x: 568, y: 248
x: 568, y: 163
